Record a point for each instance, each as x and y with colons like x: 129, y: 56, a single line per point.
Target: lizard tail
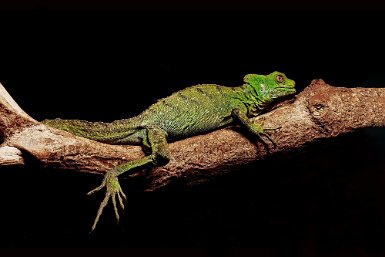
x: 98, y: 131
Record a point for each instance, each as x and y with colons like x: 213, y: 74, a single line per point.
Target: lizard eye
x: 279, y: 78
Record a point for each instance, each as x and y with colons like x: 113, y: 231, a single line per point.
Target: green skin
x: 191, y: 111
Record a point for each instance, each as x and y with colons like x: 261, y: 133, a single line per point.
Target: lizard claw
x: 261, y: 132
x: 113, y: 192
x: 276, y: 128
x: 98, y: 188
x: 268, y: 137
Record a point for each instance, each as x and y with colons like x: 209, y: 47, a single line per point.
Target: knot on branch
x: 318, y: 105
x: 337, y: 110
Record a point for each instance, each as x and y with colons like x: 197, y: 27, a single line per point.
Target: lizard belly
x: 180, y: 121
x: 191, y: 122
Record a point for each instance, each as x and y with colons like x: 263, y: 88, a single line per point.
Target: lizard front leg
x: 253, y: 128
x: 156, y: 139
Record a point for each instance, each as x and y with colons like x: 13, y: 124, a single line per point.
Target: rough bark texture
x: 319, y: 111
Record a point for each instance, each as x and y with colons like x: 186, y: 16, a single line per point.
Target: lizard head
x: 272, y: 86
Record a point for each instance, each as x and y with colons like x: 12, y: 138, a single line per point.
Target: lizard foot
x: 113, y: 192
x: 266, y: 144
x: 261, y: 132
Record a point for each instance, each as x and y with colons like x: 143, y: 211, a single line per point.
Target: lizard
x: 194, y: 110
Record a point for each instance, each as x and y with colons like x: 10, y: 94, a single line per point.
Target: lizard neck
x: 253, y: 100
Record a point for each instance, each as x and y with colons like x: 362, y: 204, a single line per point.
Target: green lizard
x: 194, y: 110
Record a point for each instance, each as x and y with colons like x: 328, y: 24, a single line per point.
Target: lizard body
x: 196, y: 109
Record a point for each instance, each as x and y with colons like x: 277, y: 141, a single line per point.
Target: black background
x: 106, y: 64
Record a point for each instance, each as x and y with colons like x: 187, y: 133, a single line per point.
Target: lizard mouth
x: 285, y: 91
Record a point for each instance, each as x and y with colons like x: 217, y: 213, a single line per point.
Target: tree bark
x: 319, y: 111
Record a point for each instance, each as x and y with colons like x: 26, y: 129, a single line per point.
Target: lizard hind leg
x: 156, y: 139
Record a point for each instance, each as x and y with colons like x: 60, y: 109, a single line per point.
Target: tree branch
x: 319, y: 111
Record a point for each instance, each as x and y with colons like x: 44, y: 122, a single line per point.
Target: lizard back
x: 193, y: 110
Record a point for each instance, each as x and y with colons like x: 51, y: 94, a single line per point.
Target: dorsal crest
x: 250, y: 78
